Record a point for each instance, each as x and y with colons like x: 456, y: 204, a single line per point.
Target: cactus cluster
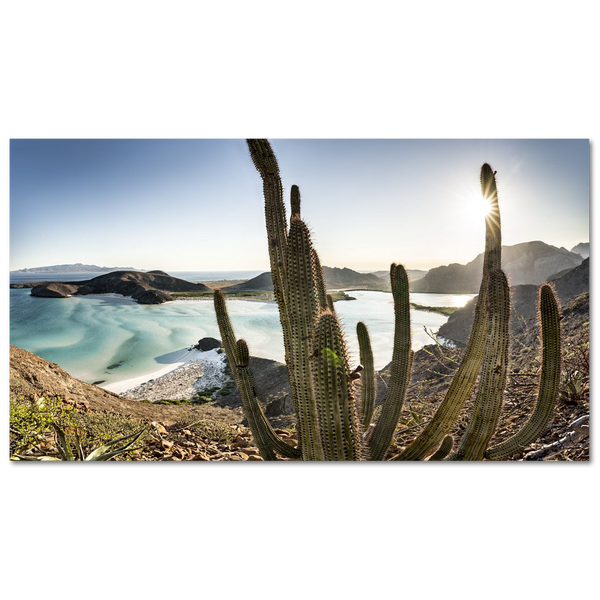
x: 334, y: 415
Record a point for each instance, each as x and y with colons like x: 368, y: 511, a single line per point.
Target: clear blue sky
x: 197, y: 204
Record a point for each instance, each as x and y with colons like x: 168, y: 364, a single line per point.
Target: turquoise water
x: 87, y: 335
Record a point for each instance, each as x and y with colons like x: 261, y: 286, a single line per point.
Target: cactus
x: 549, y: 320
x: 331, y: 423
x: 466, y: 376
x: 338, y: 418
x: 368, y: 388
x: 401, y: 363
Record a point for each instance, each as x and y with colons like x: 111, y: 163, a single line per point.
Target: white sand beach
x: 186, y: 373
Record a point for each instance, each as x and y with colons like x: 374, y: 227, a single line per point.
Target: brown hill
x: 151, y: 287
x: 335, y: 278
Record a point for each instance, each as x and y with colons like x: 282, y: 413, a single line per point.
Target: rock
x: 154, y: 297
x: 54, y: 290
x: 207, y: 343
x: 255, y: 457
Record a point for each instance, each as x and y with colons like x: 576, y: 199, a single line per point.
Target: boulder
x: 154, y: 297
x: 207, y: 343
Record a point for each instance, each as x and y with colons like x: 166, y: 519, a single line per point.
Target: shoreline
x: 184, y: 364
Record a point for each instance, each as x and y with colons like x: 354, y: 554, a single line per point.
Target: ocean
x: 109, y: 338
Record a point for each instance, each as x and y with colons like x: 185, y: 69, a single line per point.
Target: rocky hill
x: 335, y: 278
x: 150, y: 287
x: 260, y: 283
x: 413, y: 274
x: 523, y: 304
x: 582, y: 249
x: 526, y: 263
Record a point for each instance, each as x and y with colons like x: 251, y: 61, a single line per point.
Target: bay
x: 110, y: 338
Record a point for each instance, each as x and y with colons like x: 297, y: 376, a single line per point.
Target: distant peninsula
x: 74, y: 268
x: 151, y: 287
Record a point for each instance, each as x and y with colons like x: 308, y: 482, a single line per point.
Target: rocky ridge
x: 523, y: 304
x: 526, y: 263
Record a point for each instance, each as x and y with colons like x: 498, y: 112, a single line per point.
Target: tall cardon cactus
x: 333, y: 414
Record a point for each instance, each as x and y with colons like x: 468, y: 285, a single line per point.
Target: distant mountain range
x: 413, y: 274
x: 74, y: 268
x: 526, y: 263
x: 524, y: 299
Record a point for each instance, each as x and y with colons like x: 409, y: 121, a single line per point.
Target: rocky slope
x: 523, y: 304
x: 150, y: 287
x: 582, y: 249
x: 526, y: 263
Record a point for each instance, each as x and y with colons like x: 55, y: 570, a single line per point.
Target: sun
x: 485, y: 206
x: 476, y: 207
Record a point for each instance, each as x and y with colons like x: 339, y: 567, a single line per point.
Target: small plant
x: 102, y: 453
x: 32, y: 421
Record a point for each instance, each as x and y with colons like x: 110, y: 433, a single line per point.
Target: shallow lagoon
x: 87, y: 335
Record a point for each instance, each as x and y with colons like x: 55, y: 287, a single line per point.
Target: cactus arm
x: 445, y: 448
x: 488, y: 401
x: 368, y: 388
x: 549, y: 318
x: 295, y: 200
x: 401, y: 362
x: 303, y: 303
x: 330, y: 305
x: 265, y: 162
x: 320, y: 280
x: 466, y: 375
x: 338, y: 418
x: 266, y: 439
x: 225, y: 328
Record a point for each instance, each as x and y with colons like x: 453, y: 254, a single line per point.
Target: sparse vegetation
x: 442, y: 310
x: 36, y: 429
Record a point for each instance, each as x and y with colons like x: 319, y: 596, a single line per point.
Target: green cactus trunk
x: 488, y: 402
x: 302, y: 300
x: 338, y: 419
x: 401, y: 364
x: 368, y: 389
x: 549, y: 319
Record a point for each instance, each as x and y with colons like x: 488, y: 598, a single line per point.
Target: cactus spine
x: 330, y: 422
